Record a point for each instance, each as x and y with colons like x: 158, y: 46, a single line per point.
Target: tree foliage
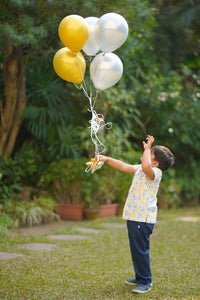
x: 158, y: 93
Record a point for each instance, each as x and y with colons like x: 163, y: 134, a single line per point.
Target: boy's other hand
x: 150, y: 140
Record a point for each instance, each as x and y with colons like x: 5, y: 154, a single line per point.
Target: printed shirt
x: 141, y: 202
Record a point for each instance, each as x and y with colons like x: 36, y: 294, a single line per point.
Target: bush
x: 29, y: 213
x: 10, y: 178
x: 29, y: 164
x: 190, y: 182
x: 64, y: 180
x: 6, y: 223
x: 69, y: 183
x: 90, y: 190
x: 21, y: 171
x: 169, y: 194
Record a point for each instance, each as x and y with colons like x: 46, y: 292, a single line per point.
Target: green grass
x: 97, y: 267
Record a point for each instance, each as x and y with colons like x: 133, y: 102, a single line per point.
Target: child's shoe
x: 141, y: 288
x: 131, y: 281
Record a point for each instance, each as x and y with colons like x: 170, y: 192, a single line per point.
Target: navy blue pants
x: 139, y: 240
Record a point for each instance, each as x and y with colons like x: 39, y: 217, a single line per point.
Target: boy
x: 140, y: 209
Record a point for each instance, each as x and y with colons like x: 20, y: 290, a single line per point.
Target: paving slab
x: 158, y: 222
x: 114, y: 225
x: 8, y: 255
x: 38, y: 246
x: 89, y: 230
x: 67, y: 237
x: 189, y: 219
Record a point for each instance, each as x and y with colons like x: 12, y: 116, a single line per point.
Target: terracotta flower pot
x: 70, y: 211
x: 108, y: 210
x: 91, y: 213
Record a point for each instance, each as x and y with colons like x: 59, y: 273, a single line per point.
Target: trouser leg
x: 139, y: 240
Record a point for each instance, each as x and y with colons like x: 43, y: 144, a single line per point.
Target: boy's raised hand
x: 150, y: 140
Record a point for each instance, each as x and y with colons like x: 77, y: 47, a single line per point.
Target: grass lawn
x: 96, y: 268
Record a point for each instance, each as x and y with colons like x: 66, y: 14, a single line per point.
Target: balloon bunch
x: 92, y: 35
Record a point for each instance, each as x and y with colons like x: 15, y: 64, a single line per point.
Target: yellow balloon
x: 69, y: 66
x: 74, y: 32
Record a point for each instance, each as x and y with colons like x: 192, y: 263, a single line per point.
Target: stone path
x: 38, y: 246
x: 115, y: 225
x: 89, y: 230
x: 189, y: 219
x: 48, y: 228
x: 67, y: 237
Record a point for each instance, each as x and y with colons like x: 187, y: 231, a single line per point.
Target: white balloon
x: 111, y: 31
x: 91, y: 47
x: 105, y: 70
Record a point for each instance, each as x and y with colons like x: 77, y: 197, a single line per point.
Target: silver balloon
x: 105, y: 70
x: 91, y: 47
x: 111, y: 31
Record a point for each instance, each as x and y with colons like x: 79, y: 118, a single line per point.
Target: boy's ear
x: 155, y: 164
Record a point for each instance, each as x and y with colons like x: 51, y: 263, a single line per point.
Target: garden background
x: 44, y: 130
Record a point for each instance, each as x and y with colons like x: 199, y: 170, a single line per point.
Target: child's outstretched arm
x: 147, y: 162
x: 117, y: 164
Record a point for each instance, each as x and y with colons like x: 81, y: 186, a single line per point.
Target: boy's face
x: 154, y: 163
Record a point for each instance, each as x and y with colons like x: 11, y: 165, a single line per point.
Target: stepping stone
x: 38, y: 246
x: 189, y: 219
x: 89, y: 230
x: 68, y: 237
x: 8, y: 255
x: 160, y: 222
x: 114, y: 225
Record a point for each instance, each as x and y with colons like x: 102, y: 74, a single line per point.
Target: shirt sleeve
x: 136, y: 167
x: 158, y: 174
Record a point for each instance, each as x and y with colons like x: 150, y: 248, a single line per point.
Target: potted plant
x: 64, y: 180
x: 108, y: 186
x: 98, y: 193
x: 90, y: 194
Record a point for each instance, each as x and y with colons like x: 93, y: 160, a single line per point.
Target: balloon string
x: 97, y: 122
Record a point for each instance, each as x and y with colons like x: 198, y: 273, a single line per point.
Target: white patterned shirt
x: 141, y: 202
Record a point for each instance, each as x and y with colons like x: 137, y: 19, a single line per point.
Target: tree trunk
x: 14, y: 99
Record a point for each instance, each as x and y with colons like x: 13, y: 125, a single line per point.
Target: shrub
x: 6, y: 223
x: 169, y: 191
x: 21, y: 171
x: 90, y: 190
x: 29, y: 213
x: 64, y: 180
x: 29, y: 164
x: 10, y: 178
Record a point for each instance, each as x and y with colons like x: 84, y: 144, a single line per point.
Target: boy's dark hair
x: 163, y: 156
